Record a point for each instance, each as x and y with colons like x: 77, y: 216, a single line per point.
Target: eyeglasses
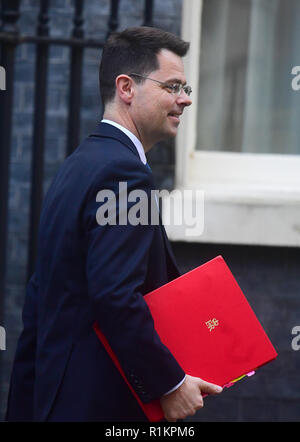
x: 174, y: 88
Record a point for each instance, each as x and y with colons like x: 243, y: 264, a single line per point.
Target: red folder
x: 208, y: 325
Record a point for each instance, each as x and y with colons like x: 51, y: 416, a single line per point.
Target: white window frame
x: 248, y: 198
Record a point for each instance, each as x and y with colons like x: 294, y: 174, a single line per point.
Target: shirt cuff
x: 175, y: 388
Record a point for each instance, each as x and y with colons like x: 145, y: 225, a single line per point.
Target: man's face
x: 156, y: 110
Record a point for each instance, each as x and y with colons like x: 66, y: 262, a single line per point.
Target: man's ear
x: 125, y: 88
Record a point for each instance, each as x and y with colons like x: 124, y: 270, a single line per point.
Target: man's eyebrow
x: 175, y: 80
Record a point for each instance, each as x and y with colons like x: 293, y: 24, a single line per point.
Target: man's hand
x: 187, y: 399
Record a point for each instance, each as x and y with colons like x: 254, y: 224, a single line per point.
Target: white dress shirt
x: 141, y: 152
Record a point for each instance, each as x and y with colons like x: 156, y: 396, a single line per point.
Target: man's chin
x: 173, y: 128
x: 173, y: 131
x: 170, y: 132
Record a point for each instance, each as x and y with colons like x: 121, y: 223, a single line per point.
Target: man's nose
x: 184, y: 99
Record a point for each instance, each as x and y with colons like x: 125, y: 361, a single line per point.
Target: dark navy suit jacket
x: 87, y: 272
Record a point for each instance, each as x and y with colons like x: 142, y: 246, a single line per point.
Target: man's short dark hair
x: 134, y: 50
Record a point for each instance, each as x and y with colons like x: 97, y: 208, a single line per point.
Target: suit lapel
x: 105, y: 130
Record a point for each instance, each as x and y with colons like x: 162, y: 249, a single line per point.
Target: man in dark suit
x: 98, y: 269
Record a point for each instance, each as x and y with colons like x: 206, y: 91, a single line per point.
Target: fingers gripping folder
x: 218, y: 336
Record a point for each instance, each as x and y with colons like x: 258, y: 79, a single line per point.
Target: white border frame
x: 249, y: 198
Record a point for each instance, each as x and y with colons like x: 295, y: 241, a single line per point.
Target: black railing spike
x: 113, y: 22
x: 78, y: 31
x: 43, y: 19
x: 148, y: 13
x: 10, y: 15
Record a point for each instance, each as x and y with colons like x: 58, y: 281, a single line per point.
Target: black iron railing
x: 10, y: 38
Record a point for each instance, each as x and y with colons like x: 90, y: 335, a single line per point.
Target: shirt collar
x: 134, y: 139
